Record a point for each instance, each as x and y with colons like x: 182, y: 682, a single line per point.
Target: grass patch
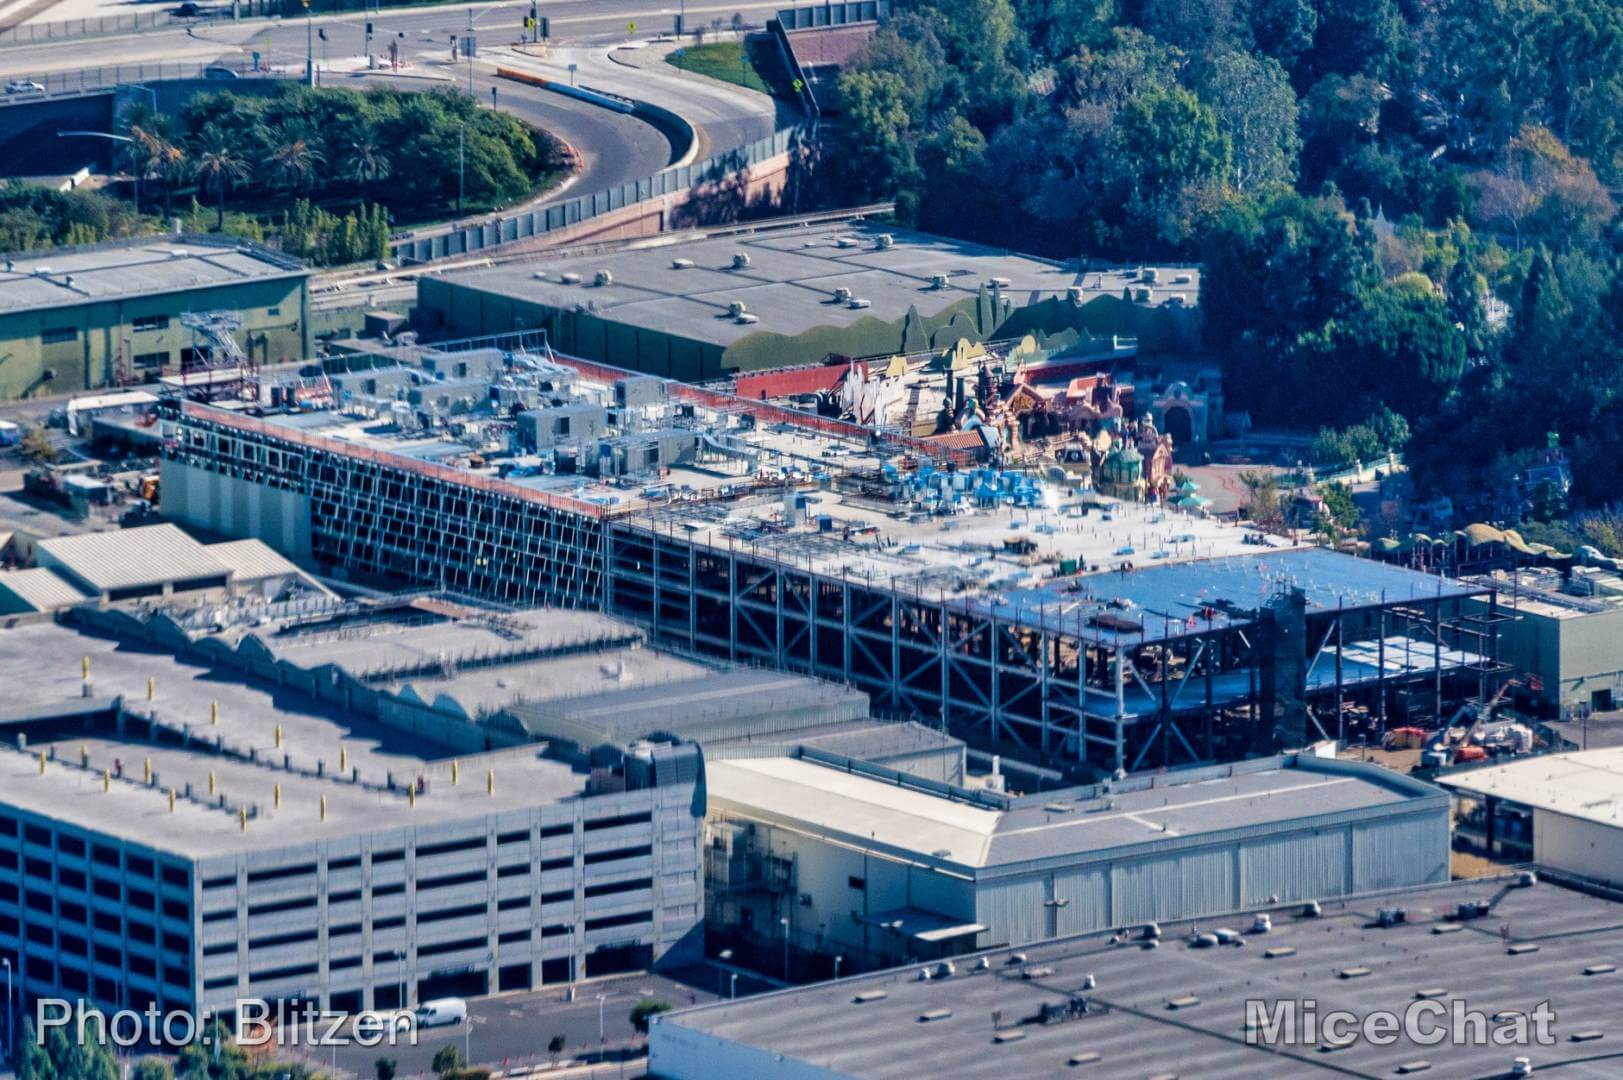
x: 724, y: 60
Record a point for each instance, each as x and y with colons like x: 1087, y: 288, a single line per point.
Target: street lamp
x: 724, y: 956
x: 784, y: 922
x: 837, y: 960
x: 732, y: 985
x: 400, y: 977
x: 601, y: 1041
x: 309, y: 47
x: 11, y: 1027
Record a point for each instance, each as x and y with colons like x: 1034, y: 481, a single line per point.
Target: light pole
x: 784, y: 922
x: 400, y: 977
x: 601, y: 1041
x: 732, y: 985
x: 724, y: 956
x: 11, y: 1027
x: 459, y: 167
x: 837, y: 960
x: 309, y: 47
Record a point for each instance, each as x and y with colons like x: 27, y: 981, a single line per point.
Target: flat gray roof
x: 925, y: 824
x: 791, y: 279
x: 153, y: 266
x: 41, y: 589
x: 132, y: 558
x: 1178, y: 1010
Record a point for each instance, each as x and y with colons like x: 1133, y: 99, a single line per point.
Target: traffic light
x: 546, y: 28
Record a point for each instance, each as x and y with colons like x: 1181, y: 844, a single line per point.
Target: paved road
x: 515, y: 1029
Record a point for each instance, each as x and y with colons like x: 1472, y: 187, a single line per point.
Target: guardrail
x: 816, y: 15
x: 60, y: 84
x: 510, y: 228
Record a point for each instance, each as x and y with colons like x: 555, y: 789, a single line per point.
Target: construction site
x: 1001, y: 604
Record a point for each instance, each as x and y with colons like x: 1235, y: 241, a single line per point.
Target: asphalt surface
x: 514, y: 1029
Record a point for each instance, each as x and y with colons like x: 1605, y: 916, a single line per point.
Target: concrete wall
x: 237, y: 508
x: 1574, y: 657
x: 275, y: 328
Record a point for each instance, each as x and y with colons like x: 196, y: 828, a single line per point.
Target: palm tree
x: 217, y: 165
x: 157, y: 158
x: 294, y: 161
x: 366, y: 163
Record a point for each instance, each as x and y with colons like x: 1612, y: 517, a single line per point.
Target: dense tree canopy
x: 1400, y: 206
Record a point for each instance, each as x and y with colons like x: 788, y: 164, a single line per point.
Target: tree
x: 1255, y: 109
x: 152, y: 1069
x: 366, y: 163
x: 876, y: 132
x: 645, y: 1008
x: 37, y: 446
x: 555, y: 1046
x: 384, y: 1068
x: 216, y: 165
x: 294, y: 161
x: 1169, y: 148
x: 1263, y: 505
x: 1283, y: 29
x: 447, y: 1059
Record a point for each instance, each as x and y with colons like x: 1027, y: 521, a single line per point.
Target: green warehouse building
x: 80, y: 318
x: 703, y: 307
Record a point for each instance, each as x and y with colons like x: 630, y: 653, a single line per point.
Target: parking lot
x: 512, y: 1031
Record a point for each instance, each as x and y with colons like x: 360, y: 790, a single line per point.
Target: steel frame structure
x: 1042, y: 678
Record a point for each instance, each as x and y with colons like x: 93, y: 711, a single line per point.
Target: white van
x: 441, y: 1012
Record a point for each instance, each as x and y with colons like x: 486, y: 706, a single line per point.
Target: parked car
x: 217, y: 72
x: 190, y: 10
x: 441, y: 1012
x: 24, y: 86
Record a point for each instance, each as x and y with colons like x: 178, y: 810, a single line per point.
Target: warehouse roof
x: 41, y: 589
x: 65, y: 277
x: 252, y: 560
x: 926, y: 821
x: 790, y: 281
x: 1585, y: 784
x: 1182, y: 1010
x: 131, y: 558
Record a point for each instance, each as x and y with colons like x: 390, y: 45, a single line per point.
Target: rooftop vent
x: 746, y: 319
x: 1144, y: 294
x: 930, y: 1016
x: 1183, y: 279
x: 735, y: 308
x: 681, y: 264
x: 741, y: 260
x: 1086, y: 1057
x: 884, y: 241
x: 867, y: 996
x: 1262, y: 924
x: 1202, y: 941
x: 1148, y: 275
x: 42, y: 271
x: 602, y: 278
x: 842, y: 293
x: 998, y: 282
x: 1311, y: 910
x: 569, y: 277
x: 1526, y: 879
x: 1039, y: 971
x: 1391, y: 916
x: 939, y: 281
x: 1521, y: 1067
x: 858, y: 302
x: 845, y: 241
x: 1075, y: 293
x: 1225, y: 936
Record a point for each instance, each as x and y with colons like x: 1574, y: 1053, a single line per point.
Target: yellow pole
x: 171, y: 800
x: 242, y: 817
x: 324, y: 808
x: 411, y: 796
x: 278, y: 736
x: 211, y: 781
x: 84, y: 755
x: 214, y: 712
x: 490, y: 781
x: 42, y: 763
x: 84, y: 667
x: 152, y: 686
x: 454, y: 769
x: 276, y: 797
x: 107, y: 780
x: 343, y: 759
x: 146, y: 770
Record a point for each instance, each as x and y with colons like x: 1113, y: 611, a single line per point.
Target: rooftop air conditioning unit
x: 735, y: 308
x: 746, y: 319
x: 1148, y: 275
x: 681, y: 264
x: 603, y: 277
x: 1143, y: 294
x: 1074, y: 293
x: 998, y: 282
x: 741, y: 260
x: 858, y: 302
x: 845, y: 241
x: 569, y: 277
x: 1182, y: 279
x: 884, y: 241
x: 939, y: 281
x: 842, y: 293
